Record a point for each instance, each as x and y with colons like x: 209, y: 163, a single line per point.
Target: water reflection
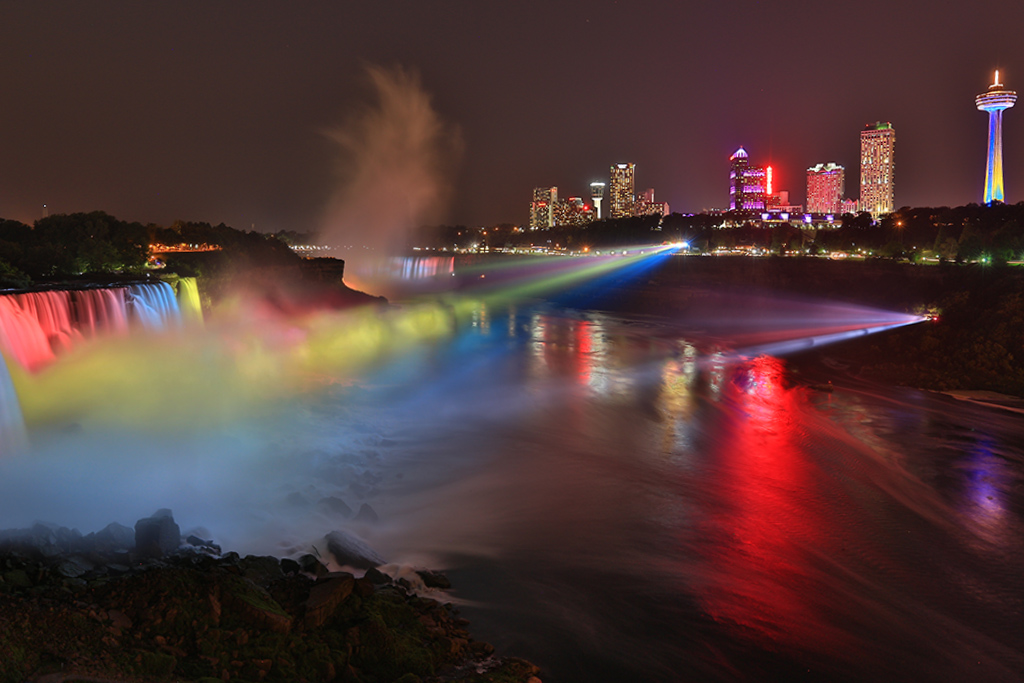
x: 986, y: 482
x: 739, y: 515
x: 759, y: 580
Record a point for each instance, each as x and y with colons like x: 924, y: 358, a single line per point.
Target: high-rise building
x: 646, y: 206
x: 597, y: 194
x: 825, y: 186
x: 877, y: 164
x: 542, y: 209
x: 620, y: 191
x: 747, y: 184
x: 994, y: 101
x: 573, y: 211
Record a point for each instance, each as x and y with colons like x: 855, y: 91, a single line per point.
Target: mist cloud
x: 396, y: 158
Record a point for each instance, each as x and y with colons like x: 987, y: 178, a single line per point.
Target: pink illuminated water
x: 36, y: 326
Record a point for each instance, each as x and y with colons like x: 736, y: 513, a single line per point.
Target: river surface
x: 616, y: 500
x: 616, y: 505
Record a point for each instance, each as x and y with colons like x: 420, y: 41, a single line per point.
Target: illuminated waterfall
x: 12, y: 427
x: 188, y: 300
x: 153, y: 306
x: 36, y: 326
x: 99, y: 311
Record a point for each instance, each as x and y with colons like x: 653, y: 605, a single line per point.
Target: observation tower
x: 597, y: 194
x: 994, y: 101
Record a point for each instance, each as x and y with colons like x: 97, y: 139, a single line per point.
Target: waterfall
x: 12, y: 428
x: 100, y: 311
x: 36, y: 326
x: 153, y: 306
x: 188, y: 300
x: 28, y: 325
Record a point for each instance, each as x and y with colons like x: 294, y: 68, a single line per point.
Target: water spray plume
x: 395, y: 160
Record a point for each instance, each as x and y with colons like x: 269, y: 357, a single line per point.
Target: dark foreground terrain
x: 102, y: 608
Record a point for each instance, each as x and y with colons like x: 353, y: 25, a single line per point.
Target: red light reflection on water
x: 563, y: 348
x: 763, y: 531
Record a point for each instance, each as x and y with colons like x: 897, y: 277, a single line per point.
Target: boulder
x: 336, y: 506
x: 157, y: 535
x: 261, y: 569
x: 42, y: 538
x: 366, y: 514
x: 113, y: 537
x: 325, y: 596
x: 350, y: 551
x: 74, y: 567
x: 312, y: 565
x: 433, y: 579
x: 197, y: 542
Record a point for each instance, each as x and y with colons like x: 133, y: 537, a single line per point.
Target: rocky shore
x: 144, y: 604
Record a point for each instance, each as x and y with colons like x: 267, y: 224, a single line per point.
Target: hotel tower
x: 877, y: 145
x: 620, y: 191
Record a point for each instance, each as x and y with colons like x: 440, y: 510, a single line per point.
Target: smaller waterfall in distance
x: 188, y: 300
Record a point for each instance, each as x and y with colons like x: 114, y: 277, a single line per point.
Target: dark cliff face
x: 882, y: 283
x: 977, y: 341
x: 874, y: 282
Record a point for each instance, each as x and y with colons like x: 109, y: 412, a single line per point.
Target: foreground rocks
x: 72, y: 609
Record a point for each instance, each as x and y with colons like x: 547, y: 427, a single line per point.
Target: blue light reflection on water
x: 640, y: 504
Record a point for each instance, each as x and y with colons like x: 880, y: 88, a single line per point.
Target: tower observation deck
x: 994, y: 101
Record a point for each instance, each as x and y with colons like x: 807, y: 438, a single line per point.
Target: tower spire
x: 995, y: 100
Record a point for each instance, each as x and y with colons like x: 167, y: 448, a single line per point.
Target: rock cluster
x: 143, y: 606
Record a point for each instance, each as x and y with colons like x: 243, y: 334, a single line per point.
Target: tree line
x: 71, y: 246
x: 993, y: 233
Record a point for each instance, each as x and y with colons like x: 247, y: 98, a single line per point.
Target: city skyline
x: 222, y: 113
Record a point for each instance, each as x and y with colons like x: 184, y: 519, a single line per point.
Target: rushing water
x: 615, y: 501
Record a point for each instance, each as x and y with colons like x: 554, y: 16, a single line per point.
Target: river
x: 614, y: 505
x: 615, y: 499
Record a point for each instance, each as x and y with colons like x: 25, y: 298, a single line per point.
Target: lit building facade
x: 646, y: 206
x: 877, y: 167
x: 542, y: 209
x: 748, y: 185
x: 994, y: 101
x: 621, y: 187
x: 573, y: 211
x: 826, y: 184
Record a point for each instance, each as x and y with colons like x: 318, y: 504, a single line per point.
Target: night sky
x: 220, y: 111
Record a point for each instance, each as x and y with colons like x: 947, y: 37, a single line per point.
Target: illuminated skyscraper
x: 825, y: 187
x: 542, y: 209
x: 747, y: 184
x: 620, y: 191
x: 646, y: 206
x: 877, y: 164
x: 994, y: 101
x: 597, y: 194
x: 573, y: 211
